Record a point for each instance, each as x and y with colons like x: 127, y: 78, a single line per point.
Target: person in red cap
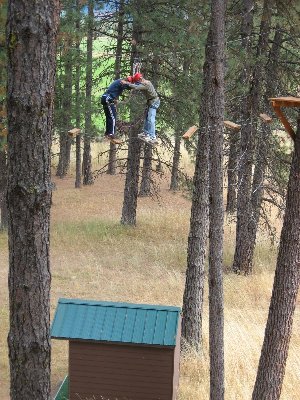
x: 108, y: 101
x: 137, y: 82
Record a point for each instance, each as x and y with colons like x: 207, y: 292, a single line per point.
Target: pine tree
x: 3, y: 121
x: 214, y: 72
x: 244, y: 230
x: 31, y: 38
x: 87, y: 157
x: 278, y: 331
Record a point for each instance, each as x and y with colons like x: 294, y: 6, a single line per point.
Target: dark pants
x: 110, y: 114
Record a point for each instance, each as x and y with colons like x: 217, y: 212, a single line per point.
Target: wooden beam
x: 285, y: 101
x: 284, y: 121
x: 74, y: 132
x: 116, y: 141
x: 266, y: 118
x: 190, y: 132
x: 232, y: 125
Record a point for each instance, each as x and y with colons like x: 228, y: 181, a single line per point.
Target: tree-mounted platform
x: 277, y: 103
x: 229, y: 124
x: 265, y: 118
x: 232, y: 125
x: 74, y: 132
x: 190, y: 132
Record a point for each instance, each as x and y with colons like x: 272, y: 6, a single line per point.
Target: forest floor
x: 94, y: 257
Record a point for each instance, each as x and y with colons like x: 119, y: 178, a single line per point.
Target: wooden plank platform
x: 285, y: 101
x: 266, y: 118
x: 74, y: 132
x: 232, y: 125
x: 115, y: 141
x: 277, y: 103
x: 190, y: 132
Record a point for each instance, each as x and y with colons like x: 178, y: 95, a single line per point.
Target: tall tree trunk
x: 232, y: 172
x: 278, y: 331
x: 134, y: 147
x: 112, y: 158
x: 3, y: 203
x: 263, y: 144
x: 30, y: 92
x: 175, y: 165
x: 4, y: 213
x: 243, y: 257
x: 87, y: 157
x: 216, y: 62
x: 198, y: 234
x: 247, y: 13
x: 65, y: 141
x: 132, y: 179
x: 77, y: 99
x: 145, y: 188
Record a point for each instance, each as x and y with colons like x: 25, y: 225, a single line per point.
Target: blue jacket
x: 116, y: 88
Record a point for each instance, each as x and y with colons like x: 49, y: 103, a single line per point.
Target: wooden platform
x: 232, y: 125
x: 115, y: 141
x: 277, y: 103
x: 74, y: 132
x: 285, y: 101
x: 190, y: 132
x: 265, y: 118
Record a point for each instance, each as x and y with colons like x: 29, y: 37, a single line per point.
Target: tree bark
x: 175, y: 165
x: 247, y: 13
x: 65, y: 141
x: 263, y: 145
x: 198, y: 234
x: 145, y: 188
x: 232, y: 172
x: 244, y: 228
x: 134, y: 147
x: 87, y: 157
x: 31, y: 38
x: 112, y: 158
x: 216, y: 62
x: 278, y: 331
x: 3, y: 179
x: 77, y: 99
x: 132, y: 180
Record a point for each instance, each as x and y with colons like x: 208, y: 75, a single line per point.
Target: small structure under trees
x: 119, y: 350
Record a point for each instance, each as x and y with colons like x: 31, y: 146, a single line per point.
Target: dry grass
x: 93, y: 257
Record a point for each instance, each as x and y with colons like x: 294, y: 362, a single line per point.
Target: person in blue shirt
x: 108, y: 101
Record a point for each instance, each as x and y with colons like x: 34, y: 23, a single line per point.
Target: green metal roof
x: 115, y: 322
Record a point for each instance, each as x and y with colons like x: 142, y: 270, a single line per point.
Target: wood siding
x: 120, y: 372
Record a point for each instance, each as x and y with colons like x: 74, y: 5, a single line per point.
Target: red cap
x: 130, y: 79
x: 136, y: 77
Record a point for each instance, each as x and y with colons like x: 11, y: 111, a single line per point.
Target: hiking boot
x: 142, y: 135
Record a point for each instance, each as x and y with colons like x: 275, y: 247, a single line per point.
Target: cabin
x: 119, y: 351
